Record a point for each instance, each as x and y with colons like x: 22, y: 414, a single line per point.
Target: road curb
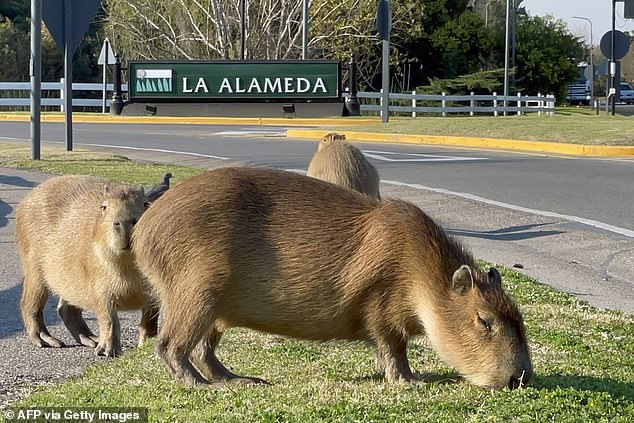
x: 202, y: 120
x: 493, y: 143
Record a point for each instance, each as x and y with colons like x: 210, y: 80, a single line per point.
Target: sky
x: 598, y: 11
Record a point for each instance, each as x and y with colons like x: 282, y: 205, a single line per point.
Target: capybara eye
x: 103, y: 207
x: 146, y: 204
x: 117, y: 225
x: 485, y: 322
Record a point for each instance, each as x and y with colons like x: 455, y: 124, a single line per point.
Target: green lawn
x: 569, y: 125
x: 582, y: 357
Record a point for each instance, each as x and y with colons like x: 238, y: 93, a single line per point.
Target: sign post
x: 384, y: 27
x: 106, y: 57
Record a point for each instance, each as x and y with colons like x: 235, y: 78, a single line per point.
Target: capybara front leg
x: 391, y: 359
x: 148, y: 327
x: 75, y: 323
x: 109, y: 332
x: 34, y: 296
x: 205, y: 360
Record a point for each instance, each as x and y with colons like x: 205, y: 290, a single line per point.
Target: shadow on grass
x: 440, y: 378
x: 587, y: 383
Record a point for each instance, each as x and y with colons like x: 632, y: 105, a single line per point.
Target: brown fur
x: 73, y: 238
x: 341, y: 163
x: 287, y: 254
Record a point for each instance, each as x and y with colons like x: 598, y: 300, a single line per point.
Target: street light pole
x: 591, y: 63
x: 612, y: 62
x: 506, y: 57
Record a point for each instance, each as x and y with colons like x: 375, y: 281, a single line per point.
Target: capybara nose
x: 519, y: 379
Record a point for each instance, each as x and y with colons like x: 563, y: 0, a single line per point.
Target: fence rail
x: 15, y: 94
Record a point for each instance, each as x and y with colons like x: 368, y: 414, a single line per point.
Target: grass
x: 82, y: 162
x: 582, y: 359
x: 569, y: 125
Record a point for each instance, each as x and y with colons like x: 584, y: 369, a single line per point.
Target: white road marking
x: 157, y: 150
x: 252, y: 133
x: 596, y: 224
x: 415, y: 157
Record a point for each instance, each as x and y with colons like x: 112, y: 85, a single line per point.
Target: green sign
x: 234, y: 81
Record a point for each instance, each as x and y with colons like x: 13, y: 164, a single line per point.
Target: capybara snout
x: 497, y: 335
x: 292, y: 255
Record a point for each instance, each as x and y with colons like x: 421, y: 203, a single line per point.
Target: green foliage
x: 484, y: 82
x: 13, y: 54
x: 547, y: 55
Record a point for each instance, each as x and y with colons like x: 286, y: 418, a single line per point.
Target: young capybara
x: 291, y: 255
x: 73, y: 238
x: 341, y: 163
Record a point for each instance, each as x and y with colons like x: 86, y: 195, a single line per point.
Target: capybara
x: 343, y: 164
x: 291, y: 255
x: 73, y: 237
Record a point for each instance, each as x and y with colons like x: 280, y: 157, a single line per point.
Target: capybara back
x: 291, y: 255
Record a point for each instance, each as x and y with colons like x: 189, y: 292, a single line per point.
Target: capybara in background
x: 73, y: 237
x: 341, y: 163
x: 291, y: 255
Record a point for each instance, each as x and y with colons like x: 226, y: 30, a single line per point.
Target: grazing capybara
x: 341, y: 163
x: 73, y: 239
x: 291, y: 255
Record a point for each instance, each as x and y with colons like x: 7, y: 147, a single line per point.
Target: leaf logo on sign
x: 154, y: 81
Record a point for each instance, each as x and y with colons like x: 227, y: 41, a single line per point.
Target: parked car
x: 627, y: 93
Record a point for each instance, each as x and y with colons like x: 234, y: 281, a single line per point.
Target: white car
x: 627, y: 93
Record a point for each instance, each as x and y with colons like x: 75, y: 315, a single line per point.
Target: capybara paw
x: 43, y: 340
x: 246, y: 381
x: 106, y: 351
x: 88, y: 341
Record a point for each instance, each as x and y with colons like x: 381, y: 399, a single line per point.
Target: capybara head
x: 121, y: 208
x: 481, y: 332
x: 329, y: 139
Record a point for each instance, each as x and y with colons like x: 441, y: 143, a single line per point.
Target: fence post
x: 381, y: 104
x: 61, y: 95
x: 471, y: 104
x: 495, y: 103
x: 444, y: 104
x: 540, y: 104
x: 414, y: 103
x: 519, y: 104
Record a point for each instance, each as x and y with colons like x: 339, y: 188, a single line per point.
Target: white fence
x: 461, y: 104
x: 57, y: 98
x: 411, y: 104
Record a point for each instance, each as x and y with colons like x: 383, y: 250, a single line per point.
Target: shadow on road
x: 16, y: 181
x: 10, y: 317
x: 5, y: 210
x: 512, y: 233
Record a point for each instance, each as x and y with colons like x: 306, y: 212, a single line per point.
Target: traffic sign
x: 384, y: 19
x: 106, y: 57
x: 81, y: 13
x: 621, y: 44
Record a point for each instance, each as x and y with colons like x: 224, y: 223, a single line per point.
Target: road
x: 566, y: 221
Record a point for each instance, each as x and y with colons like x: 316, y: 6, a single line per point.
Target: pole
x: 242, y: 28
x: 612, y: 62
x: 68, y: 73
x: 591, y: 60
x: 506, y: 56
x: 385, y: 82
x: 305, y: 30
x: 105, y: 66
x: 36, y: 77
x: 116, y: 105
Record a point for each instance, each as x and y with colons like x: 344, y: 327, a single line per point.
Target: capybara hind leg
x: 176, y: 360
x: 205, y: 360
x: 34, y: 296
x: 75, y: 323
x: 148, y: 327
x: 391, y: 360
x: 109, y: 332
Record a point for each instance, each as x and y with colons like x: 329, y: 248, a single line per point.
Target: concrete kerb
x: 474, y: 142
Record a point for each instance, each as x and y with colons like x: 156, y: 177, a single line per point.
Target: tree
x: 547, y: 55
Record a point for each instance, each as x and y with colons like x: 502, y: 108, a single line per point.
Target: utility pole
x: 506, y: 56
x: 612, y: 62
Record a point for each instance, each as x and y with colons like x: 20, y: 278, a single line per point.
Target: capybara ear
x: 494, y: 276
x: 462, y: 279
